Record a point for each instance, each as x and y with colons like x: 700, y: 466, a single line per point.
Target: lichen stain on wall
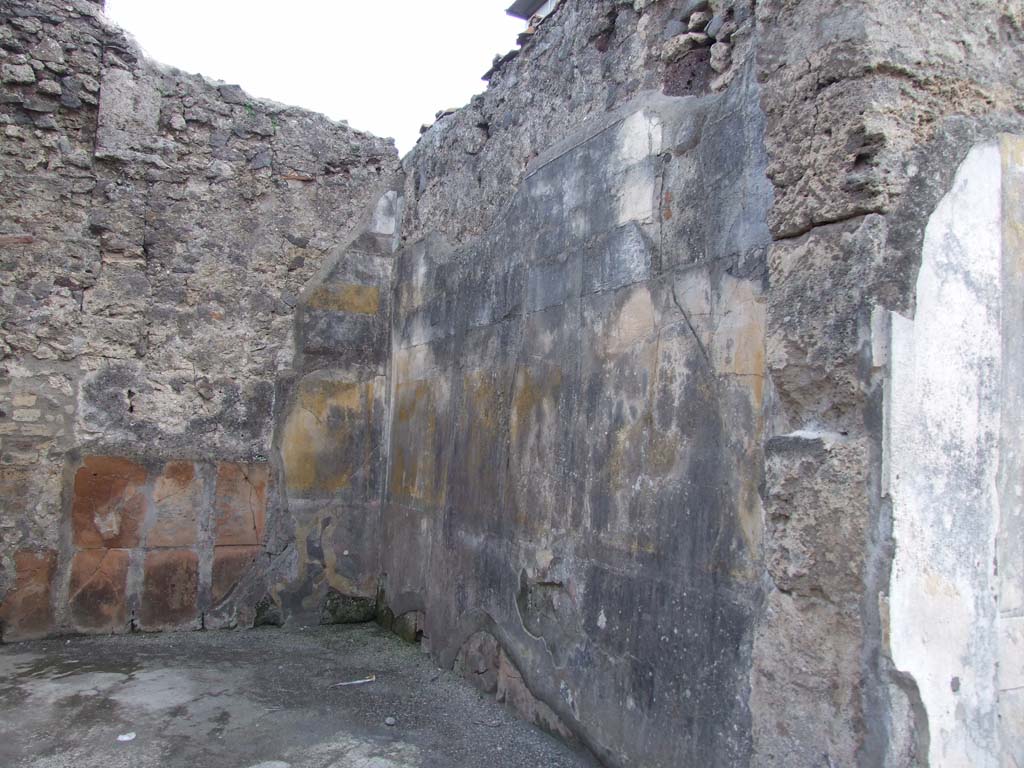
x: 318, y: 446
x: 357, y: 299
x: 418, y: 448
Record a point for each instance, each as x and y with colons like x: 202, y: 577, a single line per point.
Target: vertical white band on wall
x: 944, y: 407
x: 1010, y: 545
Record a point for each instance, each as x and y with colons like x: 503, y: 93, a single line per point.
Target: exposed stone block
x: 815, y: 520
x: 681, y: 44
x: 803, y: 656
x: 97, y: 592
x: 109, y: 503
x: 129, y: 110
x: 409, y: 626
x: 814, y: 336
x: 170, y: 589
x: 19, y: 74
x: 240, y: 504
x: 27, y: 610
x: 479, y: 661
x: 689, y: 74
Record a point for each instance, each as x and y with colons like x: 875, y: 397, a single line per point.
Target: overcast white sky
x: 385, y: 66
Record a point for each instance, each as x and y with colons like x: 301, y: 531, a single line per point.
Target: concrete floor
x: 259, y: 698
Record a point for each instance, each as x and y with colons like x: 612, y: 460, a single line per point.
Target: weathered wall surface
x: 1010, y: 478
x: 331, y: 431
x: 594, y: 389
x: 578, y: 386
x: 585, y: 60
x: 943, y: 459
x: 156, y: 234
x: 954, y: 468
x: 577, y: 421
x: 867, y: 112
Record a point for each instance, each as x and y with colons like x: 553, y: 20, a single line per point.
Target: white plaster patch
x: 808, y: 433
x: 635, y: 322
x: 385, y: 215
x: 640, y: 137
x: 636, y: 196
x: 943, y: 453
x: 739, y: 316
x: 1011, y: 653
x: 580, y: 224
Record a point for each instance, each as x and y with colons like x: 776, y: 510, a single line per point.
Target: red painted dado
x: 177, y: 495
x: 109, y: 504
x: 27, y: 609
x: 143, y: 534
x: 170, y: 589
x: 241, y: 504
x: 229, y: 566
x: 97, y: 593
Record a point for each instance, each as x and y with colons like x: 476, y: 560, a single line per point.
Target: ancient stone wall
x: 578, y: 415
x: 869, y: 113
x: 600, y: 391
x: 330, y: 436
x: 157, y: 231
x: 864, y: 112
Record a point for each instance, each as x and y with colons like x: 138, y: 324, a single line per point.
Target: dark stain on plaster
x: 612, y: 544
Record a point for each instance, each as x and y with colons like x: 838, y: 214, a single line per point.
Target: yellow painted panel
x: 346, y: 297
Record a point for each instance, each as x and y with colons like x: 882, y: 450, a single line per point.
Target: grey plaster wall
x: 864, y: 111
x: 1010, y: 540
x: 578, y: 404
